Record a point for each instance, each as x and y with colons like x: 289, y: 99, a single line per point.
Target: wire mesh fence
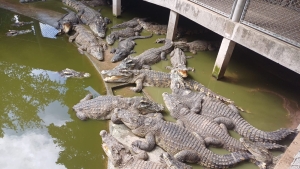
x: 279, y: 18
x: 223, y: 7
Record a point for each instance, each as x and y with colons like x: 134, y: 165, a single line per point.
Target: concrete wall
x: 280, y: 52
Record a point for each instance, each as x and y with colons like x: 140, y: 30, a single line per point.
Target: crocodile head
x: 111, y: 38
x: 260, y: 153
x: 96, y: 51
x: 146, y: 106
x: 72, y: 73
x: 142, y: 124
x: 181, y: 70
x: 120, y: 76
x: 116, y: 152
x: 99, y: 28
x: 175, y: 107
x: 66, y: 27
x: 127, y: 63
x: 119, y: 55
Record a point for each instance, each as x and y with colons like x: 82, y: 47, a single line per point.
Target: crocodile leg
x: 139, y: 83
x: 71, y: 38
x: 187, y: 156
x: 147, y: 145
x: 82, y: 48
x: 226, y: 121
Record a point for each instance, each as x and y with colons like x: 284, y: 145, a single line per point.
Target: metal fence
x: 223, y: 7
x: 279, y: 18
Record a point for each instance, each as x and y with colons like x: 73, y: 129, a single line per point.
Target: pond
x: 39, y: 127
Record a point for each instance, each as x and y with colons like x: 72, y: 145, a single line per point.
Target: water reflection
x: 32, y: 150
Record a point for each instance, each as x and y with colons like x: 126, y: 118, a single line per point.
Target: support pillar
x: 223, y: 58
x: 172, y: 25
x: 116, y: 7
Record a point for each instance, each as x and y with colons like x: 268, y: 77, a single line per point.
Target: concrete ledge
x: 276, y: 50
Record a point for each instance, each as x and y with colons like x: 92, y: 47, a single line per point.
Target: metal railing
x: 278, y: 18
x: 223, y: 7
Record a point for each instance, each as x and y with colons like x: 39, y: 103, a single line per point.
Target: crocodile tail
x: 247, y: 130
x: 194, y: 85
x: 213, y: 160
x: 141, y: 37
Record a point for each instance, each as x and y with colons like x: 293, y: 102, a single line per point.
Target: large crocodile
x: 125, y: 47
x: 178, y: 61
x: 121, y: 156
x: 211, y: 132
x: 89, y: 16
x: 88, y: 42
x: 184, y: 145
x: 197, y: 45
x: 223, y: 113
x: 146, y: 77
x: 123, y: 33
x: 67, y: 73
x: 101, y: 107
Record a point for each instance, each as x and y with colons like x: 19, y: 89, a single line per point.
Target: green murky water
x: 39, y: 127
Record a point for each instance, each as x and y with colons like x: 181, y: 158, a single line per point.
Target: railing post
x: 172, y: 25
x: 116, y: 8
x: 238, y: 10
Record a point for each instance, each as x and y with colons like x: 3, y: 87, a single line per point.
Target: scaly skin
x: 223, y: 113
x: 211, y: 132
x: 145, y: 77
x: 121, y: 157
x: 128, y: 24
x: 125, y: 48
x: 101, y: 107
x: 123, y: 33
x: 88, y: 42
x: 197, y: 45
x: 72, y: 73
x: 178, y: 61
x: 66, y: 22
x: 174, y: 139
x: 89, y: 16
x: 17, y: 32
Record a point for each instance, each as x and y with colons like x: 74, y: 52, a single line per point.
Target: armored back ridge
x: 123, y: 33
x: 101, y: 107
x: 176, y: 140
x: 209, y: 130
x: 86, y: 41
x: 228, y: 115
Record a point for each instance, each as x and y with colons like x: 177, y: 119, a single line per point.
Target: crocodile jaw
x: 183, y: 73
x: 113, y: 79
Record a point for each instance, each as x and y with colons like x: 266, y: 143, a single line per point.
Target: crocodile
x: 86, y: 41
x: 130, y: 24
x: 197, y: 45
x: 28, y: 1
x: 21, y: 23
x: 123, y: 33
x: 121, y: 156
x: 154, y: 78
x: 17, y: 32
x: 101, y: 107
x: 178, y: 61
x: 89, y: 16
x: 208, y: 129
x: 125, y: 48
x: 66, y: 22
x: 147, y: 58
x: 72, y: 73
x: 179, y: 142
x: 227, y: 114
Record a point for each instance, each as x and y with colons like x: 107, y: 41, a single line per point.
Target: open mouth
x: 111, y: 78
x: 183, y: 73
